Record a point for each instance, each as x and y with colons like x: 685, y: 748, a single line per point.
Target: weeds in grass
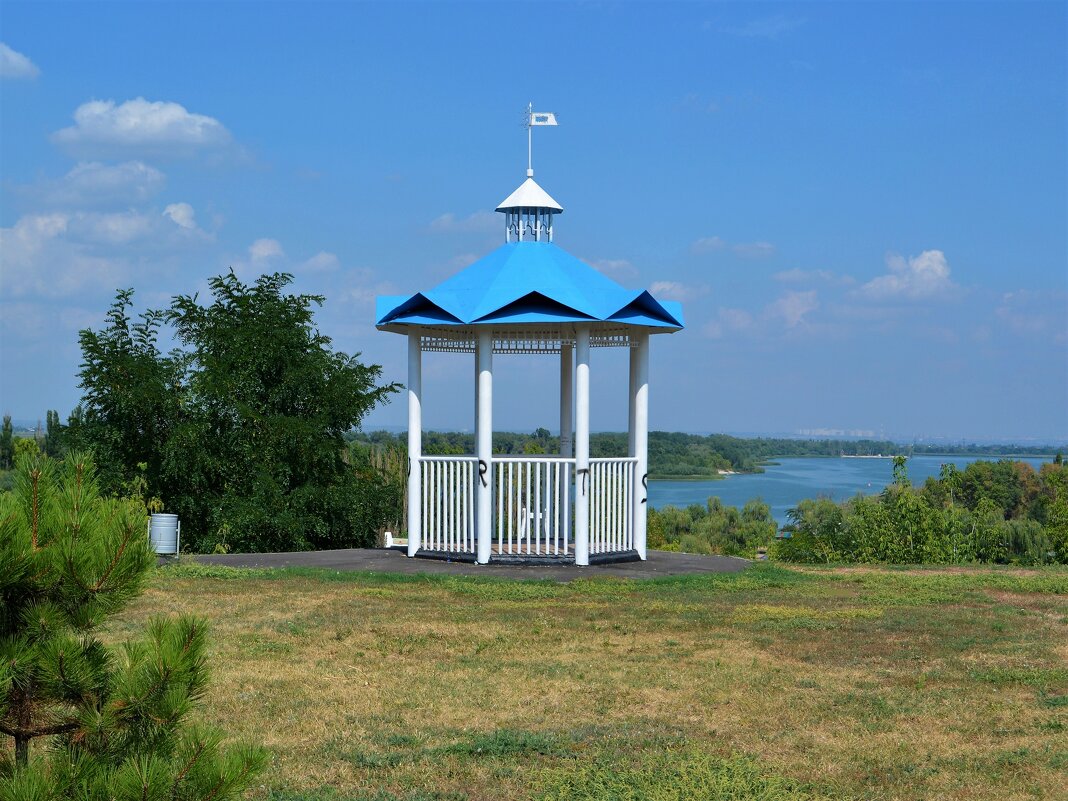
x: 1053, y: 701
x: 680, y: 775
x: 765, y: 616
x: 1043, y: 679
x: 330, y: 794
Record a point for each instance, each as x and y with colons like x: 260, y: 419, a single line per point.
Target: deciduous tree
x: 241, y: 427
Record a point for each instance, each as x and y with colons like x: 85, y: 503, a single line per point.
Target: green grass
x: 674, y: 775
x: 774, y: 683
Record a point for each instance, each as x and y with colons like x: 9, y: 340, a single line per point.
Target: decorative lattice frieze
x: 523, y: 341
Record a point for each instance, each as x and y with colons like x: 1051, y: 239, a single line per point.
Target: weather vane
x: 531, y: 119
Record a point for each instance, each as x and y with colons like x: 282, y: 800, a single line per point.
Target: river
x: 783, y: 485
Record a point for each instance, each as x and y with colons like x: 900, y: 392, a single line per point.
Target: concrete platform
x: 381, y: 560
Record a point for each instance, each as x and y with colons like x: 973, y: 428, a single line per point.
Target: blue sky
x: 861, y: 206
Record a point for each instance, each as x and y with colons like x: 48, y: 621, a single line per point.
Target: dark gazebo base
x: 530, y: 558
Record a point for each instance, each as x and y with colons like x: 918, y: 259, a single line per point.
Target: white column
x: 567, y: 425
x: 415, y: 440
x: 639, y: 361
x: 582, y: 445
x: 633, y: 394
x: 484, y: 445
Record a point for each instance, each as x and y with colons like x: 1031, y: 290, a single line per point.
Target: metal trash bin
x: 164, y: 534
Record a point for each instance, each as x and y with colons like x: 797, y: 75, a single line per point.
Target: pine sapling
x: 110, y: 723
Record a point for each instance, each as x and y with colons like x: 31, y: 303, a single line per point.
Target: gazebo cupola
x: 529, y: 213
x: 530, y: 298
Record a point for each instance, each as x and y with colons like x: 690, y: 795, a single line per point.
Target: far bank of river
x: 782, y: 486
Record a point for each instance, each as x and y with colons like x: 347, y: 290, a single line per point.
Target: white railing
x: 448, y: 510
x: 611, y: 505
x: 533, y: 504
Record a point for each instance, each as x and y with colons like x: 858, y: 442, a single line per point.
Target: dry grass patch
x: 788, y: 684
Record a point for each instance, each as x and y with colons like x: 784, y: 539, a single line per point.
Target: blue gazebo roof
x: 528, y: 282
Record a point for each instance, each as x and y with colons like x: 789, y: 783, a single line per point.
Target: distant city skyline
x: 862, y: 207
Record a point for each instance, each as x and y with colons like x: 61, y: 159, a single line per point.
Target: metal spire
x: 532, y: 119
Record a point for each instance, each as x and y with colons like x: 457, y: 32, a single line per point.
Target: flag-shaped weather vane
x: 532, y: 118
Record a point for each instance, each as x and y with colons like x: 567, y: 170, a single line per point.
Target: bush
x: 987, y: 513
x: 712, y: 528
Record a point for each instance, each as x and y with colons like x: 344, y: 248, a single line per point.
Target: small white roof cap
x: 530, y: 196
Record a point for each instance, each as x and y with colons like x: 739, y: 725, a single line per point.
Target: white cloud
x: 673, y: 290
x: 91, y: 183
x: 39, y: 227
x: 476, y: 222
x: 159, y: 127
x: 754, y: 250
x: 175, y: 225
x: 792, y: 307
x: 113, y: 228
x: 264, y: 249
x: 321, y: 262
x: 14, y: 64
x: 728, y: 321
x: 798, y: 276
x: 33, y: 324
x: 363, y: 287
x: 1042, y: 315
x: 37, y: 256
x: 266, y: 255
x: 63, y: 253
x: 736, y: 318
x: 708, y: 244
x: 785, y: 312
x: 747, y: 250
x: 915, y: 278
x: 620, y: 269
x: 182, y: 215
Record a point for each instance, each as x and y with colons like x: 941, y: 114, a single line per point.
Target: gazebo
x: 529, y: 298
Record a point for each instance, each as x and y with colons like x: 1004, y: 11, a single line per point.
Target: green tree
x: 242, y: 428
x: 1055, y: 479
x: 901, y: 471
x: 25, y: 447
x: 816, y: 533
x: 7, y: 444
x: 132, y: 395
x: 54, y: 440
x: 115, y: 720
x: 260, y: 451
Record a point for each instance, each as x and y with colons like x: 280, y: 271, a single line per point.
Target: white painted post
x: 567, y: 425
x: 484, y: 445
x: 476, y: 394
x: 640, y: 365
x: 582, y: 445
x: 415, y: 440
x: 633, y: 393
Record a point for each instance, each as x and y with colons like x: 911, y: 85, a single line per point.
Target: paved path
x: 381, y: 560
